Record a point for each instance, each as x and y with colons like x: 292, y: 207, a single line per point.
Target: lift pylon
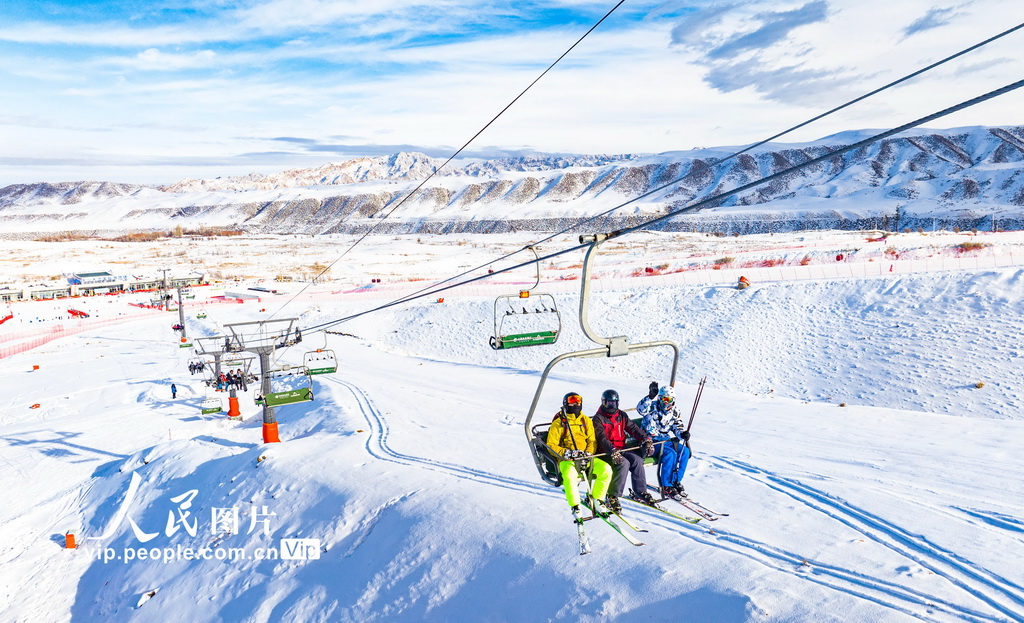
x: 263, y: 338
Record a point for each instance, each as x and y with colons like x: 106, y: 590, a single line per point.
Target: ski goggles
x: 667, y: 400
x: 574, y: 400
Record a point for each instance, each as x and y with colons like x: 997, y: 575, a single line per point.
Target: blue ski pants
x: 672, y: 459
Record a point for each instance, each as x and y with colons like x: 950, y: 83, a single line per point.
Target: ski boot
x: 668, y: 493
x: 612, y: 504
x: 680, y: 491
x: 642, y: 497
x: 600, y: 509
x: 577, y: 515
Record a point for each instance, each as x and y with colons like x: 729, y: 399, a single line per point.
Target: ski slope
x: 411, y: 466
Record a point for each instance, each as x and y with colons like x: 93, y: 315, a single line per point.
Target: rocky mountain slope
x: 970, y: 177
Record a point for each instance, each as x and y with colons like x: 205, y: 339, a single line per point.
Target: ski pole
x: 693, y: 412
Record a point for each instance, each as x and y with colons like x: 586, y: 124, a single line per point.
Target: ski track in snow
x: 377, y: 446
x: 978, y: 582
x: 973, y: 580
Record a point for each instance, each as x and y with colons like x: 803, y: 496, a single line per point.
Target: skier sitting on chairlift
x: 571, y: 437
x: 612, y: 426
x: 663, y: 422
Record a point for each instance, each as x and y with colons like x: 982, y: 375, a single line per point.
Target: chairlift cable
x: 703, y: 203
x: 709, y: 166
x: 414, y: 191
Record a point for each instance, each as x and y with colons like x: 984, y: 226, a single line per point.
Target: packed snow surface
x: 862, y: 432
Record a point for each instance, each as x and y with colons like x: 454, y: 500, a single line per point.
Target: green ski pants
x: 600, y: 474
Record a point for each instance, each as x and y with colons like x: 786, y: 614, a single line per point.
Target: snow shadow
x: 58, y: 445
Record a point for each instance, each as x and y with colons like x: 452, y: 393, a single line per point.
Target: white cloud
x: 153, y: 59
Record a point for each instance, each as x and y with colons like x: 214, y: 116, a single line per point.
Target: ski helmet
x: 667, y: 395
x: 610, y: 400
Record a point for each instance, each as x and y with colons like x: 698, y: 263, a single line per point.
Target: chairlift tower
x: 262, y: 338
x: 163, y: 289
x: 181, y: 314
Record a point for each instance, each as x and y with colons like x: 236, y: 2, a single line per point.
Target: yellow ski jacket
x: 581, y: 430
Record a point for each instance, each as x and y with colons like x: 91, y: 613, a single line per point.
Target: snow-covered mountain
x: 965, y: 176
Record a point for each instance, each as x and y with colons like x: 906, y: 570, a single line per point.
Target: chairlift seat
x: 547, y: 463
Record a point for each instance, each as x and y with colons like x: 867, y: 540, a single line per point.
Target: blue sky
x: 156, y: 91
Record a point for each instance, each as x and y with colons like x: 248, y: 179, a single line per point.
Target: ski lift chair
x: 505, y: 309
x: 526, y: 304
x: 320, y: 361
x: 211, y: 405
x: 536, y: 435
x: 298, y: 387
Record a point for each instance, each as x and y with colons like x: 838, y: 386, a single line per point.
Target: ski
x: 705, y: 508
x: 634, y: 527
x: 584, y: 541
x: 667, y: 512
x: 629, y: 523
x: 706, y: 515
x: 692, y: 505
x: 629, y: 537
x: 684, y: 503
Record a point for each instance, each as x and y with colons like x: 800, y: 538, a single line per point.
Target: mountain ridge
x: 928, y: 173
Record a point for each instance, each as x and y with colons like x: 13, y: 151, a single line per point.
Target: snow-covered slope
x: 962, y: 177
x: 411, y: 468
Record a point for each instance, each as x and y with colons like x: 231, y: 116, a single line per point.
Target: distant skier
x: 571, y: 437
x: 174, y: 391
x: 663, y: 422
x: 612, y: 426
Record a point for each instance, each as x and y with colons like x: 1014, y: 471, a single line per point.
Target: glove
x: 652, y: 393
x: 685, y: 435
x: 572, y: 455
x: 616, y: 457
x: 648, y: 447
